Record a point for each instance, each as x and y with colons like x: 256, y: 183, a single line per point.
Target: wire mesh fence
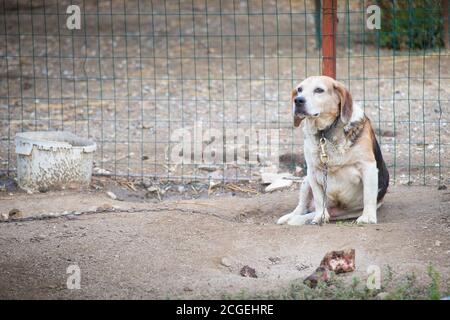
x: 164, y: 87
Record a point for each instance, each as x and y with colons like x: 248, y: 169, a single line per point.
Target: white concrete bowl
x: 53, y: 160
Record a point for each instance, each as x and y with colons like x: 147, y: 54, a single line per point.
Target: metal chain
x: 324, y: 203
x: 324, y: 159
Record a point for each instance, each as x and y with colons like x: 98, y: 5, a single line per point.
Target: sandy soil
x: 195, y: 248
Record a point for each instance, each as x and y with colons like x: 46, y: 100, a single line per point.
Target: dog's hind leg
x: 370, y: 182
x: 353, y: 214
x: 305, y: 199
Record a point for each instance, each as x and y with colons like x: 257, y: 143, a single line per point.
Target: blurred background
x: 137, y: 70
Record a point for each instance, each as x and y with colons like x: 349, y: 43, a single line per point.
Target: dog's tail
x: 383, y: 173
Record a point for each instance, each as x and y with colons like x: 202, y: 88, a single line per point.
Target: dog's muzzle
x: 299, y: 109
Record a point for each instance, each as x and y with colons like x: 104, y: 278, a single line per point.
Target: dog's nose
x: 299, y: 101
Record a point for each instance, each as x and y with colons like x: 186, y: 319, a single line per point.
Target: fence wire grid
x: 139, y: 70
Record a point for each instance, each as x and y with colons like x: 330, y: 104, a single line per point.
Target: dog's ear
x: 346, y: 101
x: 297, y: 119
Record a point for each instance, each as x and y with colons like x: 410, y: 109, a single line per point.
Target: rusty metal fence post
x: 329, y: 28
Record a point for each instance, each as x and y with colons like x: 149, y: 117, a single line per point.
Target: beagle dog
x: 356, y: 175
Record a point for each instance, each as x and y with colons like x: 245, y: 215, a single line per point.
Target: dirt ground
x: 196, y: 248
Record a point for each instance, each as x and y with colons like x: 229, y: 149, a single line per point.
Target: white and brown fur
x: 357, y: 175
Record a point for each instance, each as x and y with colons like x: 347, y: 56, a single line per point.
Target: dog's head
x: 322, y: 98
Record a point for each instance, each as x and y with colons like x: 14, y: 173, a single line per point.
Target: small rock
x: 301, y: 266
x: 102, y: 171
x: 4, y: 217
x: 43, y: 189
x: 213, y: 184
x: 437, y: 243
x: 225, y: 262
x: 146, y: 183
x: 153, y: 189
x: 320, y: 275
x: 181, y: 189
x: 104, y: 207
x: 15, y: 214
x: 248, y: 272
x: 187, y: 289
x: 278, y: 185
x: 39, y: 237
x: 209, y: 168
x: 382, y: 296
x: 387, y: 133
x: 111, y: 195
x: 274, y: 260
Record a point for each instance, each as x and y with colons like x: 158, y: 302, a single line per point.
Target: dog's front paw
x: 298, y: 219
x: 321, y: 218
x: 295, y: 219
x: 366, y: 219
x: 285, y: 218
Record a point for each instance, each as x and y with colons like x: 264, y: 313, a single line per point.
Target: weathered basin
x: 50, y: 160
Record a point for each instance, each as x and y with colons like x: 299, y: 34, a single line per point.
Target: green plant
x: 411, y: 24
x: 348, y: 223
x: 433, y: 290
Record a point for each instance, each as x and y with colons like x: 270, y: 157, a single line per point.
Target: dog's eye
x: 299, y: 89
x: 318, y: 90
